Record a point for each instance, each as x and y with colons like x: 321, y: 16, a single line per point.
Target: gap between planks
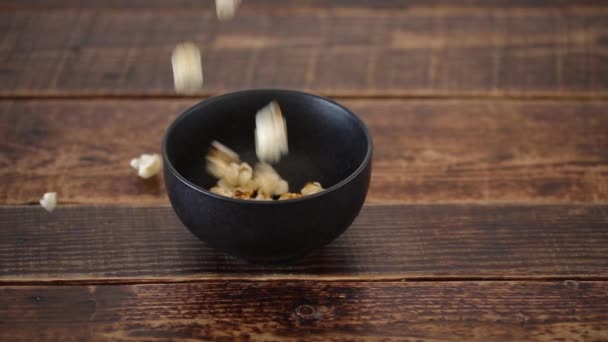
x: 412, y: 9
x: 381, y: 203
x: 295, y: 278
x: 600, y: 96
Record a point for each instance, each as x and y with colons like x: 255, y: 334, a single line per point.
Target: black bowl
x: 327, y: 143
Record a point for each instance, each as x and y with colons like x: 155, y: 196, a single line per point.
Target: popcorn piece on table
x: 226, y: 9
x: 49, y: 201
x: 147, y: 165
x: 187, y: 68
x: 311, y: 188
x: 270, y: 133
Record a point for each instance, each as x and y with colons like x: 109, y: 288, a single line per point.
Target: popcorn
x: 237, y: 179
x: 49, y: 201
x: 262, y: 197
x: 245, y: 174
x: 224, y: 185
x: 281, y: 188
x: 231, y: 176
x: 226, y: 9
x: 270, y: 133
x: 147, y: 165
x: 220, y: 151
x: 187, y: 68
x: 250, y: 186
x: 219, y: 159
x: 289, y: 195
x: 311, y: 188
x: 269, y: 181
x: 242, y: 193
x: 222, y: 191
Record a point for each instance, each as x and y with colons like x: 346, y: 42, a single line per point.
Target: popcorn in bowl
x: 237, y: 179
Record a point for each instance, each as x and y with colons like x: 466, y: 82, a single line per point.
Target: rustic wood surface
x: 487, y: 217
x: 425, y: 51
x: 267, y: 5
x: 135, y: 244
x: 313, y: 311
x: 425, y: 150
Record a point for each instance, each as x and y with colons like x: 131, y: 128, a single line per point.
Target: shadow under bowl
x: 327, y: 143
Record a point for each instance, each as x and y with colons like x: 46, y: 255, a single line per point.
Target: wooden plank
x: 316, y: 311
x: 143, y: 244
x: 336, y: 52
x: 425, y: 151
x: 372, y: 5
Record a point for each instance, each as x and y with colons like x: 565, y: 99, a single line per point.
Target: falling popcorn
x: 237, y: 179
x: 270, y: 133
x: 49, y: 201
x: 147, y: 165
x: 187, y: 68
x: 226, y: 9
x: 219, y: 160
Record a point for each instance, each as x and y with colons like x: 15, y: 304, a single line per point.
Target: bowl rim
x: 168, y: 165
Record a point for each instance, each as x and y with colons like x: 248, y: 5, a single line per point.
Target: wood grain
x: 425, y: 151
x: 337, y: 52
x: 144, y: 244
x: 325, y: 311
x: 367, y: 5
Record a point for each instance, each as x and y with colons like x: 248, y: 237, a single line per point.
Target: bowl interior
x: 326, y: 142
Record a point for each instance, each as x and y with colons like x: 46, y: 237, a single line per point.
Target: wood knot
x: 572, y: 284
x: 306, y: 312
x: 522, y: 318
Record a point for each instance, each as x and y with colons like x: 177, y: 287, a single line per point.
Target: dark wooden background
x: 487, y: 217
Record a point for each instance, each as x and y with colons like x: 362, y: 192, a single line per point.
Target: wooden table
x: 487, y: 217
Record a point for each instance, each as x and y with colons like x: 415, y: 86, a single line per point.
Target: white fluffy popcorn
x: 224, y: 191
x: 281, y: 188
x: 187, y: 68
x: 49, y: 201
x: 226, y: 9
x: 237, y: 179
x: 269, y: 181
x: 219, y: 150
x: 231, y: 176
x: 219, y: 160
x: 270, y: 133
x: 147, y: 165
x: 245, y: 174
